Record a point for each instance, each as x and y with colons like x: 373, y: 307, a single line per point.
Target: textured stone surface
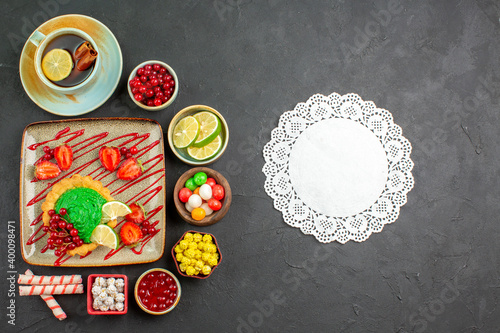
x: 433, y: 64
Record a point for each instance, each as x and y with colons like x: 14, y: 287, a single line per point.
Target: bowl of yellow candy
x: 196, y: 254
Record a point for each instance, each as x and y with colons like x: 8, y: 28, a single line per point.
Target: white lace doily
x: 338, y: 168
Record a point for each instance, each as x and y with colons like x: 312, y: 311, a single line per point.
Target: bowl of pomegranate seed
x: 153, y: 85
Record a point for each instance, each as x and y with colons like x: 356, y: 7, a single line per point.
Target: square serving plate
x: 86, y: 137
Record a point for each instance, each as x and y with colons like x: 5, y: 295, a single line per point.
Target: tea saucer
x: 80, y: 102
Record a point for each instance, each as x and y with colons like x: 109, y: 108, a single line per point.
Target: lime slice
x: 186, y: 132
x: 210, y: 127
x: 57, y: 64
x: 113, y: 209
x: 207, y: 151
x: 105, y: 235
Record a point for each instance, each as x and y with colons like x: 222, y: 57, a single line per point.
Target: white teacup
x: 41, y: 41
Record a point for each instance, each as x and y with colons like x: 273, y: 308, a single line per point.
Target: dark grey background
x: 433, y: 64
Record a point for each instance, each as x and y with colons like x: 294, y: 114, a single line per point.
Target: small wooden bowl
x: 199, y: 276
x: 216, y: 216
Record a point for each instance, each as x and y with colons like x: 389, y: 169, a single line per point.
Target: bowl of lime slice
x: 198, y: 135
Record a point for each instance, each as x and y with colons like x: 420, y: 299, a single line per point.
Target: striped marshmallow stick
x: 49, y: 280
x: 51, y: 303
x: 56, y: 289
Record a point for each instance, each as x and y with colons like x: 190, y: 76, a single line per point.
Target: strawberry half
x: 130, y: 169
x: 130, y: 234
x: 109, y: 157
x: 138, y: 214
x: 64, y: 156
x: 46, y: 170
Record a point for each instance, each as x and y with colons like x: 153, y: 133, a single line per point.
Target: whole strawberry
x: 64, y: 156
x: 130, y: 234
x: 130, y: 169
x: 109, y: 157
x: 138, y: 214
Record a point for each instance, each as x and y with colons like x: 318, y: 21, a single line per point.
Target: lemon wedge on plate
x: 111, y: 210
x: 105, y: 235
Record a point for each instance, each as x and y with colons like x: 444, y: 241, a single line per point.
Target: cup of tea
x: 57, y: 48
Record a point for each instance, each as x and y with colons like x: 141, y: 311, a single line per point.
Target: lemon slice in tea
x: 57, y: 64
x: 105, y: 235
x: 210, y: 127
x: 186, y: 132
x: 207, y: 151
x: 113, y: 209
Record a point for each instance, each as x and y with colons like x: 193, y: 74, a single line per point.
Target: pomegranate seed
x: 140, y: 71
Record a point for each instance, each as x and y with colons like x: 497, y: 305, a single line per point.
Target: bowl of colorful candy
x: 198, y: 135
x: 107, y: 294
x: 196, y: 254
x: 153, y: 85
x: 157, y: 291
x: 202, y: 196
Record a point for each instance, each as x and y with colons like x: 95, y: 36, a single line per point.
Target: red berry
x: 147, y: 72
x: 58, y: 241
x: 57, y: 253
x: 172, y: 83
x: 158, y: 102
x: 165, y: 98
x: 76, y: 239
x: 46, y: 149
x: 62, y: 234
x: 133, y: 150
x: 148, y: 67
x: 150, y: 102
x: 144, y: 231
x: 159, y: 94
x: 62, y: 224
x: 156, y: 89
x: 47, y: 157
x: 70, y: 226
x: 134, y: 91
x: 128, y: 155
x: 145, y: 224
x: 54, y: 225
x: 150, y: 93
x: 138, y: 84
x: 51, y: 212
x: 156, y: 67
x: 67, y: 239
x: 152, y: 76
x: 73, y: 233
x: 51, y: 246
x: 55, y: 218
x: 46, y: 170
x: 169, y: 77
x: 50, y: 241
x: 123, y: 150
x: 143, y: 78
x: 140, y: 71
x: 64, y: 156
x: 143, y: 89
x: 45, y: 228
x: 163, y: 70
x: 79, y: 243
x: 151, y: 230
x: 154, y: 82
x: 62, y: 211
x: 131, y: 83
x: 71, y: 246
x: 138, y: 97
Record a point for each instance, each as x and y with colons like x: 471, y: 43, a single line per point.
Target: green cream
x: 83, y: 206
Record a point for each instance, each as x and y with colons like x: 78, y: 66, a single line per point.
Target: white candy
x: 100, y: 281
x: 103, y: 307
x: 119, y: 284
x: 205, y: 192
x: 112, y: 307
x: 194, y: 201
x: 109, y: 300
x: 96, y: 303
x: 119, y: 306
x: 111, y: 290
x: 207, y: 208
x: 102, y: 296
x: 96, y: 290
x: 110, y: 282
x: 120, y: 298
x: 188, y: 207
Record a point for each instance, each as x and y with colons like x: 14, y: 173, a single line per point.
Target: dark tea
x: 70, y: 43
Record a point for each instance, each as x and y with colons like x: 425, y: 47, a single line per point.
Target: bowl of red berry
x: 153, y: 85
x: 157, y: 291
